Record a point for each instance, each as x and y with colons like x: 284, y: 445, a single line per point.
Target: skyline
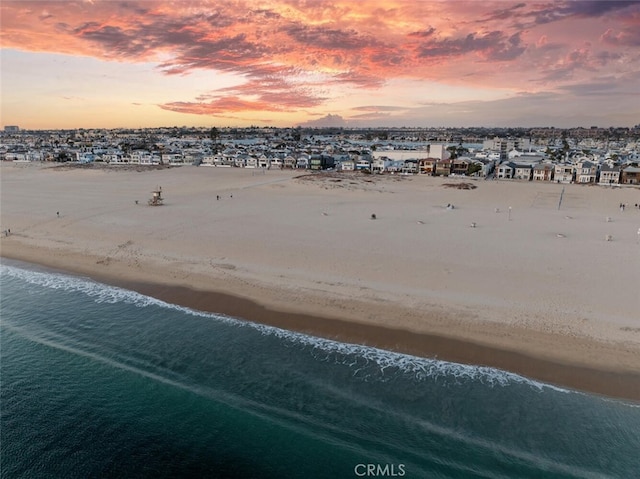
x: 92, y: 64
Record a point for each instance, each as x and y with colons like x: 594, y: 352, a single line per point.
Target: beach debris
x: 568, y: 217
x: 560, y: 235
x: 497, y: 210
x: 136, y: 202
x: 373, y: 216
x: 473, y: 225
x: 420, y: 222
x: 608, y: 238
x: 156, y: 199
x: 324, y: 213
x: 608, y: 219
x: 450, y: 206
x: 460, y: 186
x: 58, y: 214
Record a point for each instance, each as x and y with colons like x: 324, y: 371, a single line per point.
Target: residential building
x: 543, y: 172
x: 630, y: 175
x: 506, y: 171
x: 586, y: 172
x: 523, y: 172
x: 563, y: 173
x: 443, y: 167
x: 609, y: 175
x: 460, y: 166
x: 427, y: 166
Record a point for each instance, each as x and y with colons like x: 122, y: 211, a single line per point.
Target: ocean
x: 100, y: 382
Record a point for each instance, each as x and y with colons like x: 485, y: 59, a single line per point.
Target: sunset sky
x: 109, y: 64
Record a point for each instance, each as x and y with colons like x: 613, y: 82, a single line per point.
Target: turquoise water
x: 102, y: 382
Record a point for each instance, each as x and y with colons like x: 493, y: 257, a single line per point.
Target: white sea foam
x: 369, y: 363
x: 382, y: 365
x: 99, y: 292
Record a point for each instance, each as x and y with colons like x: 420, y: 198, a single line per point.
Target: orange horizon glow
x: 283, y: 63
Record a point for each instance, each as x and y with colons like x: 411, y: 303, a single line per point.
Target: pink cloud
x: 280, y: 48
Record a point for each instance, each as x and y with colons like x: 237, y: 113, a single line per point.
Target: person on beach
x: 58, y: 214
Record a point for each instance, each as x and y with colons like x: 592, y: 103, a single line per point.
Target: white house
x: 380, y: 165
x: 264, y: 161
x: 505, y: 171
x: 251, y: 162
x: 347, y: 165
x: 302, y: 162
x: 543, y: 172
x: 609, y: 175
x: 586, y: 172
x: 523, y: 172
x: 563, y: 173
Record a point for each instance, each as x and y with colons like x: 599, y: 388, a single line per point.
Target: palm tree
x: 214, y: 134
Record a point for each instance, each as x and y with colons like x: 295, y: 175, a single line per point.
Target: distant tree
x: 457, y: 151
x: 213, y: 135
x: 63, y: 156
x: 474, y: 168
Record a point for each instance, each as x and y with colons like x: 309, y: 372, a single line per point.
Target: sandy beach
x: 533, y: 288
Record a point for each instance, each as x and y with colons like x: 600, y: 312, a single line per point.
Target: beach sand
x: 534, y: 287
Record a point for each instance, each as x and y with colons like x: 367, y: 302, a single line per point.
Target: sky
x: 287, y: 63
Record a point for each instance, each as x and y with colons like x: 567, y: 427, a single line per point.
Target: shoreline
x: 532, y: 291
x: 622, y: 385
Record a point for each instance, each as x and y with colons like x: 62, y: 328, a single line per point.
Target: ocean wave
x: 99, y: 292
x: 377, y: 364
x: 367, y: 362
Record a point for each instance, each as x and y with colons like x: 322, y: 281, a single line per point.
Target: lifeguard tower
x: 156, y: 199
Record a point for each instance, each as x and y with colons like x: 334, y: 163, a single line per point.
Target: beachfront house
x: 586, y: 172
x: 427, y: 166
x: 443, y: 167
x: 380, y: 165
x: 302, y: 162
x: 347, y: 165
x: 523, y: 172
x: 460, y: 166
x: 609, y: 175
x: 506, y: 170
x: 229, y: 160
x: 85, y: 157
x: 277, y: 162
x: 543, y: 172
x: 363, y: 163
x: 172, y: 158
x: 264, y: 162
x: 563, y: 173
x: 630, y: 175
x: 321, y: 162
x: 250, y: 161
x: 409, y: 167
x: 395, y: 166
x: 486, y: 166
x: 289, y: 162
